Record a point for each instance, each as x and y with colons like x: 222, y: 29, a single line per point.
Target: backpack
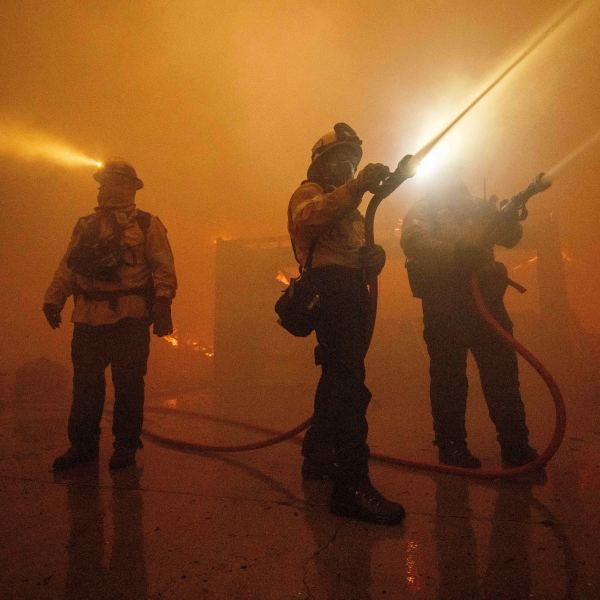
x: 98, y: 257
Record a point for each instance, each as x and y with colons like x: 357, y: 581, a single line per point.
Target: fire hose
x: 404, y: 171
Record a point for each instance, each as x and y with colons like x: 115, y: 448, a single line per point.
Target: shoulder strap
x: 311, y: 251
x: 143, y: 218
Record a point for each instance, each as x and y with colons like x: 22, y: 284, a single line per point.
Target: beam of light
x: 538, y: 40
x: 559, y: 166
x: 29, y: 144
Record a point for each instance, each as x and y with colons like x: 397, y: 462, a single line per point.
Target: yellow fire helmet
x: 118, y: 166
x: 342, y: 134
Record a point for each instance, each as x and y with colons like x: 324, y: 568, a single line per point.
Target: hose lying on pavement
x: 278, y: 437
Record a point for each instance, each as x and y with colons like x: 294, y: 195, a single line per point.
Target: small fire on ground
x: 194, y: 344
x: 282, y: 278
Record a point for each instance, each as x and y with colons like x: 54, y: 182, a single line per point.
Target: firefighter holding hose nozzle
x: 446, y: 236
x: 119, y: 268
x: 328, y: 237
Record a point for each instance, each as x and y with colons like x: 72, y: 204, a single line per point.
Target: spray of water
x: 28, y: 144
x: 523, y: 55
x: 560, y: 165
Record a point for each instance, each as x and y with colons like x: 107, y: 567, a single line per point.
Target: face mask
x: 115, y: 195
x: 339, y: 172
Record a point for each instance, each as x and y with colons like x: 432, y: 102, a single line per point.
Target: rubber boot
x: 517, y: 456
x: 317, y: 471
x: 456, y: 454
x: 122, y: 457
x: 74, y: 457
x: 362, y: 501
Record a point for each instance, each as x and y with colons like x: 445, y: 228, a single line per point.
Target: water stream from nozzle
x: 538, y: 40
x: 569, y: 158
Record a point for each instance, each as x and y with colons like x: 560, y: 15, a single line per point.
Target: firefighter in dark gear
x: 323, y: 213
x: 119, y: 269
x: 442, y: 241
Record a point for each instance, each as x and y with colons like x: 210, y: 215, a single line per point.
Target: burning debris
x: 189, y: 342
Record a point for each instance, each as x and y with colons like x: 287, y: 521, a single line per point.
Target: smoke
x: 28, y: 144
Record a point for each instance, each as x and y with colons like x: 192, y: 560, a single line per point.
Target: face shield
x: 336, y: 166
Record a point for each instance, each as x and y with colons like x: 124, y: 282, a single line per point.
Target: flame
x: 29, y: 144
x: 412, y: 575
x: 527, y: 262
x: 171, y: 339
x: 282, y: 278
x: 566, y: 256
x: 223, y: 238
x: 177, y: 342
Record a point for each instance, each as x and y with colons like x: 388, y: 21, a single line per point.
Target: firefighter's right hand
x: 369, y: 178
x: 161, y: 316
x: 52, y: 314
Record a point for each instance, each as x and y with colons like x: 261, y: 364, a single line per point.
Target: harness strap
x: 112, y: 296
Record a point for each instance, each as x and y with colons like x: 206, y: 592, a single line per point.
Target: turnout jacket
x: 434, y: 230
x: 331, y: 217
x: 148, y: 263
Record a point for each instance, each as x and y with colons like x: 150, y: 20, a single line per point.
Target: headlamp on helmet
x: 117, y: 167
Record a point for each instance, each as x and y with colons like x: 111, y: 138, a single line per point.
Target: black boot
x: 316, y: 471
x: 518, y: 455
x: 362, y: 501
x: 122, y: 457
x: 457, y: 454
x: 73, y: 457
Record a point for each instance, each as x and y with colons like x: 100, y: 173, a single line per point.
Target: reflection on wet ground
x: 185, y: 525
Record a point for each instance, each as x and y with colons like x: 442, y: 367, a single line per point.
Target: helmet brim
x: 104, y: 175
x: 355, y: 148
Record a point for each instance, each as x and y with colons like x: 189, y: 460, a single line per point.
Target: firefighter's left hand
x: 511, y: 217
x: 52, y: 314
x: 161, y: 316
x: 372, y: 258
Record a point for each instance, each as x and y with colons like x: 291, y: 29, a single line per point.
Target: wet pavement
x: 244, y: 526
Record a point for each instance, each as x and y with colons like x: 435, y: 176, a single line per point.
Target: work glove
x: 52, y: 314
x: 372, y: 258
x: 469, y: 256
x: 370, y: 177
x: 161, y: 316
x: 510, y: 216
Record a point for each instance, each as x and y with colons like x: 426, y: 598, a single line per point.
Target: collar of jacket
x: 123, y: 214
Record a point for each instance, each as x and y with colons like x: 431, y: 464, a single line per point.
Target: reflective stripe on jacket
x: 333, y: 218
x: 148, y: 261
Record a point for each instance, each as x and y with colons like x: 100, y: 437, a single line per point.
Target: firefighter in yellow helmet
x: 119, y: 269
x: 328, y: 235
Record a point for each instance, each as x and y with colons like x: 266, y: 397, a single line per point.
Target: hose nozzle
x: 542, y: 182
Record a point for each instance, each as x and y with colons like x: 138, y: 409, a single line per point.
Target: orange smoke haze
x: 218, y: 104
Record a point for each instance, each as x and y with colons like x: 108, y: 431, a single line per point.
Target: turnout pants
x: 125, y: 347
x: 450, y: 333
x: 338, y: 434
